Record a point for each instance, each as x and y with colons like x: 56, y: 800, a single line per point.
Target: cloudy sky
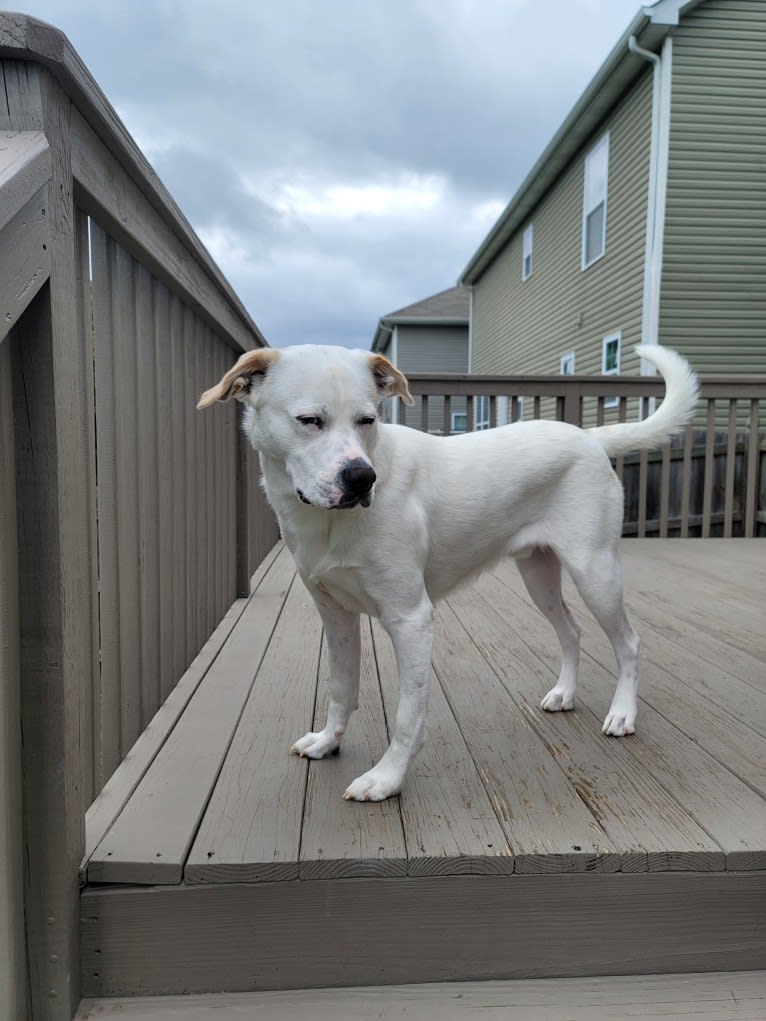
x: 340, y: 158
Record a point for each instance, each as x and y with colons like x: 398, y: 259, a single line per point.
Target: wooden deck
x: 653, y: 846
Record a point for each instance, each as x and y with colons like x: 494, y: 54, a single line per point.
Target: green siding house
x: 645, y: 217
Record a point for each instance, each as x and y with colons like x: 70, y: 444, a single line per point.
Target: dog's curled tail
x: 677, y: 408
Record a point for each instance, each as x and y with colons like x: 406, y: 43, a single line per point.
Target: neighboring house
x: 645, y: 217
x: 430, y: 336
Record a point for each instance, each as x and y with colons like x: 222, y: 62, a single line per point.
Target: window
x: 567, y: 364
x: 481, y: 412
x: 459, y: 422
x: 594, y: 203
x: 610, y: 363
x: 526, y: 255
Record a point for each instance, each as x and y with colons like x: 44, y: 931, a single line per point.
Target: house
x: 645, y: 217
x: 431, y: 335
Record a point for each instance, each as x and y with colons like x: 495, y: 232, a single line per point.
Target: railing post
x: 57, y: 645
x: 244, y: 510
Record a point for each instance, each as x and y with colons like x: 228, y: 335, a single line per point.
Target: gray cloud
x: 341, y: 159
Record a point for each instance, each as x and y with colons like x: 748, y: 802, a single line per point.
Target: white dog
x: 385, y: 520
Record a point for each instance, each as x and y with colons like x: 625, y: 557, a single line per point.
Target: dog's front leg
x: 344, y: 650
x: 413, y: 639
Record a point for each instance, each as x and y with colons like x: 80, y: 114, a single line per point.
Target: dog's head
x: 314, y: 410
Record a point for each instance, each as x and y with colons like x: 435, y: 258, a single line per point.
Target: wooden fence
x: 129, y: 522
x: 710, y: 481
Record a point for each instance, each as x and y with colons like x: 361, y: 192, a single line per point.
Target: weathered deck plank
x: 716, y: 996
x: 449, y: 822
x: 635, y: 811
x: 726, y: 808
x: 150, y: 839
x: 347, y: 838
x: 252, y: 825
x: 546, y: 823
x: 500, y: 786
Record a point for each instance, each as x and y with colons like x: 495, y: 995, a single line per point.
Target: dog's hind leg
x: 598, y: 577
x: 541, y: 572
x: 344, y: 651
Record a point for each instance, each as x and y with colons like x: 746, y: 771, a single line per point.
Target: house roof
x: 447, y: 308
x: 615, y: 76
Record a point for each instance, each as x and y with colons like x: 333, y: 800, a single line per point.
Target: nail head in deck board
x: 347, y: 838
x: 634, y: 810
x: 712, y: 996
x: 363, y: 931
x: 449, y: 822
x: 536, y: 806
x: 724, y: 806
x: 150, y: 839
x: 252, y: 824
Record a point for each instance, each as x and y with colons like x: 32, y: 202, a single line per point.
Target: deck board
x: 501, y: 786
x: 346, y: 838
x: 717, y: 996
x: 251, y: 829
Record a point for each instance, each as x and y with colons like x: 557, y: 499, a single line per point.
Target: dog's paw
x: 558, y: 699
x: 620, y: 721
x: 375, y: 785
x: 316, y: 746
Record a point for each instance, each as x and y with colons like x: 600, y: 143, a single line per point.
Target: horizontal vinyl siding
x: 525, y: 327
x: 713, y: 304
x: 432, y: 348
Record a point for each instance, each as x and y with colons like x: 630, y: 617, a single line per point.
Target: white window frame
x: 481, y: 416
x: 527, y: 246
x: 454, y: 416
x: 611, y: 338
x: 567, y: 359
x: 593, y: 196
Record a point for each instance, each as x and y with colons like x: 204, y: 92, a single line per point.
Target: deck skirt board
x: 316, y: 933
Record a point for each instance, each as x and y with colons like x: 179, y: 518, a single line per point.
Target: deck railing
x: 710, y: 481
x: 130, y: 523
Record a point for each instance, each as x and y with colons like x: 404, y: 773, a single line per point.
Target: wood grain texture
x: 25, y: 167
x: 716, y: 996
x: 385, y: 931
x: 25, y: 258
x: 631, y: 806
x: 151, y: 838
x: 347, y: 838
x: 449, y: 821
x: 251, y: 828
x: 724, y: 806
x: 12, y: 946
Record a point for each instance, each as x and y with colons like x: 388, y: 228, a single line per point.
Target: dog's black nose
x: 357, y: 478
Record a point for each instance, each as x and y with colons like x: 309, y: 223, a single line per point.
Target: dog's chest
x: 331, y: 560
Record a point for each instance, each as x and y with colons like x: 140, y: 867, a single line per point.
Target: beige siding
x: 525, y: 327
x: 713, y: 303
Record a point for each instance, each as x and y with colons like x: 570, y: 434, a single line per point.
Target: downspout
x: 395, y: 360
x: 658, y: 181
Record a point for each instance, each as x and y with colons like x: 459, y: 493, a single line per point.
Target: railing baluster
x: 686, y: 482
x: 492, y: 411
x: 470, y: 425
x: 731, y: 456
x: 664, y: 490
x: 753, y: 453
x: 643, y: 471
x: 447, y: 415
x: 424, y: 413
x: 707, y: 498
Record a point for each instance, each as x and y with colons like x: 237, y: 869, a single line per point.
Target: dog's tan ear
x: 389, y: 380
x: 239, y: 378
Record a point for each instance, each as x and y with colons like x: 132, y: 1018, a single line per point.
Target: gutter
x: 657, y: 194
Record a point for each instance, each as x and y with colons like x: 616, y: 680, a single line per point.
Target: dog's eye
x: 311, y: 420
x: 366, y: 420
